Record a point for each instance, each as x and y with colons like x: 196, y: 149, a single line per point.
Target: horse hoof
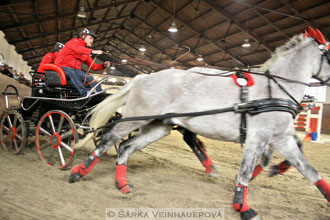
x: 250, y: 215
x: 74, y: 177
x: 126, y: 189
x: 214, y: 171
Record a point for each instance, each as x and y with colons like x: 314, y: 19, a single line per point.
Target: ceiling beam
x: 281, y: 31
x: 238, y: 24
x: 296, y: 12
x: 62, y: 31
x: 124, y: 52
x: 133, y: 47
x: 239, y: 61
x: 66, y: 15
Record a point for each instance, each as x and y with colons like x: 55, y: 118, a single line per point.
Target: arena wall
x: 12, y: 58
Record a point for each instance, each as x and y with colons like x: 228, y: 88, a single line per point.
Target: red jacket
x: 74, y: 53
x: 48, y: 58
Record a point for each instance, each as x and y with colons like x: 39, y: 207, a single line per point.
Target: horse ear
x: 319, y: 37
x: 306, y: 34
x: 311, y: 31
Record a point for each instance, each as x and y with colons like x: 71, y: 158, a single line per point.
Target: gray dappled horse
x: 179, y: 91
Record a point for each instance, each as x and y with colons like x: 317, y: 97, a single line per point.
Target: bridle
x: 324, y: 46
x: 325, y: 55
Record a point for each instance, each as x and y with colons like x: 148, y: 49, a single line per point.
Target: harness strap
x: 252, y: 107
x: 286, y: 92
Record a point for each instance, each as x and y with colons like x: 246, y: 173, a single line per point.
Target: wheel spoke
x: 15, y: 144
x: 5, y: 128
x: 66, y: 134
x: 51, y: 123
x: 50, y: 157
x: 44, y: 131
x: 19, y: 128
x: 19, y: 137
x: 61, y: 155
x: 67, y: 147
x: 59, y: 127
x: 43, y: 146
x: 15, y: 121
x: 10, y: 145
x: 9, y: 121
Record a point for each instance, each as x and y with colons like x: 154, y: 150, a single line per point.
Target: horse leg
x: 294, y: 155
x: 284, y: 165
x: 198, y: 148
x: 146, y: 135
x: 118, y: 132
x: 265, y: 159
x: 255, y: 146
x: 275, y: 169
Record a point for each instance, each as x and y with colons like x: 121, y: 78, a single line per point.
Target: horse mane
x: 295, y: 43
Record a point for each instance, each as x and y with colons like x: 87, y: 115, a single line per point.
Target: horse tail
x: 105, y: 109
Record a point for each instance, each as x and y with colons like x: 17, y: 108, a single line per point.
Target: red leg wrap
x: 283, y: 167
x: 239, y: 203
x: 121, y: 180
x: 207, y: 163
x: 84, y: 168
x: 324, y: 187
x: 257, y: 170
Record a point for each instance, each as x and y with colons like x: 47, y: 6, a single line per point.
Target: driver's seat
x: 56, y: 80
x: 55, y: 75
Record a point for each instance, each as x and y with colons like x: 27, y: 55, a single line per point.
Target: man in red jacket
x: 50, y: 57
x: 75, y: 53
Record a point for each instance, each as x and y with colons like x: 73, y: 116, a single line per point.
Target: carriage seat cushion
x: 55, y: 75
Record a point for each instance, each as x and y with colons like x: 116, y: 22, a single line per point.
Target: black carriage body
x: 53, y: 114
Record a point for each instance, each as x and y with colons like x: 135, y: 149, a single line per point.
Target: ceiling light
x: 124, y: 61
x: 200, y: 58
x: 142, y: 49
x: 82, y: 13
x: 173, y: 28
x: 112, y: 67
x: 246, y: 43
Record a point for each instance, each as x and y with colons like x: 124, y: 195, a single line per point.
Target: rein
x: 87, y: 73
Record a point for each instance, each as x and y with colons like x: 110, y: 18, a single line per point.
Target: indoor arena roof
x: 212, y: 30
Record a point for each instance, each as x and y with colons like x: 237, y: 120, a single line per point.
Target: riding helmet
x: 58, y: 46
x: 87, y: 31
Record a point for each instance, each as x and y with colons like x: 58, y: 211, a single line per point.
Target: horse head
x: 323, y: 72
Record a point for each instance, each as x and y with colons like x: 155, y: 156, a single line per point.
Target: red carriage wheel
x: 55, y: 136
x: 13, y: 131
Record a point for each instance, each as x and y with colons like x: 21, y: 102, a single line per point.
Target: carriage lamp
x: 200, y: 58
x: 173, y: 28
x: 82, y: 13
x: 246, y: 43
x: 142, y: 49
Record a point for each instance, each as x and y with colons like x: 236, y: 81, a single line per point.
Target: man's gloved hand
x: 107, y: 64
x: 98, y: 52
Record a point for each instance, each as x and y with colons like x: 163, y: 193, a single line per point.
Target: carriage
x: 55, y: 114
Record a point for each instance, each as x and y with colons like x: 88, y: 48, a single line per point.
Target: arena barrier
x: 310, y: 120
